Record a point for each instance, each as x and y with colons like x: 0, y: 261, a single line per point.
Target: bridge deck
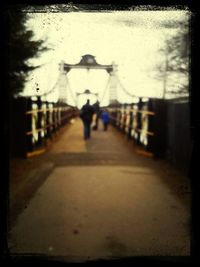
x: 100, y: 199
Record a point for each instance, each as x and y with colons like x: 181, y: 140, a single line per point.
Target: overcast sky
x: 129, y: 38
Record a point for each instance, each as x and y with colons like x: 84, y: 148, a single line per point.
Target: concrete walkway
x: 102, y: 200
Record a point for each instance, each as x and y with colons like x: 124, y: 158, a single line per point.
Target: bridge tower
x: 62, y: 84
x: 113, y: 84
x: 86, y: 62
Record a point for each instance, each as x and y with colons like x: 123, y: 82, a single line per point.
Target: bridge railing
x: 141, y: 122
x: 35, y: 122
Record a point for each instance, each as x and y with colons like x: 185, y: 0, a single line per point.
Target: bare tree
x: 175, y: 61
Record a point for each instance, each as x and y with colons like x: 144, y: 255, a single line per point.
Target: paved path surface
x: 102, y: 200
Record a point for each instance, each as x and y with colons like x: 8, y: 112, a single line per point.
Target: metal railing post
x: 29, y: 128
x: 151, y: 120
x: 130, y: 121
x: 139, y: 120
x: 47, y: 120
x: 39, y: 120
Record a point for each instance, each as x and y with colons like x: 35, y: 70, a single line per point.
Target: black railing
x: 136, y: 121
x: 159, y: 127
x: 34, y: 123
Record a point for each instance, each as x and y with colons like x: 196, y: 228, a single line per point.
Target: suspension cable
x: 50, y: 91
x: 72, y: 95
x: 74, y: 98
x: 106, y: 87
x: 123, y: 88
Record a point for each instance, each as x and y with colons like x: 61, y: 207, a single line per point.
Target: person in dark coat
x: 105, y: 118
x: 97, y: 111
x: 86, y: 114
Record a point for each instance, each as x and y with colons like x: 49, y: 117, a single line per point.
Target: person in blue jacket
x: 105, y: 118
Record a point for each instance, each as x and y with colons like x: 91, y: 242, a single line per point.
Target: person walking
x: 86, y: 114
x: 97, y: 111
x: 105, y: 118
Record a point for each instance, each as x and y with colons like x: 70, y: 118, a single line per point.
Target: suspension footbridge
x: 113, y: 196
